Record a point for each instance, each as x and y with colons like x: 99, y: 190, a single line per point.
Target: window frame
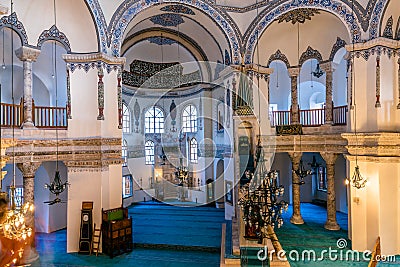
x: 193, y: 151
x: 190, y: 119
x: 126, y: 118
x: 154, y: 123
x: 149, y: 147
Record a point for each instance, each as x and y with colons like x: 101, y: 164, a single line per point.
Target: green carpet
x: 313, y: 236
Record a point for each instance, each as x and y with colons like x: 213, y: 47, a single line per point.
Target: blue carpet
x: 188, y: 230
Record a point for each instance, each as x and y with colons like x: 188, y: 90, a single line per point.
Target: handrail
x: 310, y: 117
x: 12, y: 115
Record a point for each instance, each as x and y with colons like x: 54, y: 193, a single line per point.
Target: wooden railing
x: 340, y: 115
x: 312, y: 117
x: 280, y: 118
x: 50, y: 117
x: 12, y: 115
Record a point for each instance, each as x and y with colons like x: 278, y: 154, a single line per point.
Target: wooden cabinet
x: 116, y: 232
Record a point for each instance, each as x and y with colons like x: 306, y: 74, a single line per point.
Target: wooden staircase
x: 95, y: 247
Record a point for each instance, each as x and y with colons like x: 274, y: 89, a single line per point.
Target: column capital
x: 295, y: 157
x: 330, y: 158
x: 328, y: 66
x: 294, y: 71
x: 28, y: 169
x: 25, y: 53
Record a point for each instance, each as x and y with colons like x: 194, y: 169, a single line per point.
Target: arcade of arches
x: 119, y: 96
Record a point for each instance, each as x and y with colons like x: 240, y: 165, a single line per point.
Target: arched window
x: 126, y: 119
x: 193, y: 150
x: 125, y: 152
x: 154, y: 120
x: 149, y: 152
x: 189, y: 119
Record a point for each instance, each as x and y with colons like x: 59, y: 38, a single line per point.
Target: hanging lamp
x: 56, y: 187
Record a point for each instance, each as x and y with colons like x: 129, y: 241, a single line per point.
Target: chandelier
x: 318, y: 71
x: 13, y: 227
x: 302, y: 173
x: 182, y: 174
x: 259, y: 200
x: 357, y: 180
x: 56, y: 187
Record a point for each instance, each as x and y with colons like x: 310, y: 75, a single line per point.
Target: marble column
x: 28, y: 170
x: 294, y: 73
x: 27, y: 55
x: 328, y: 68
x: 295, y: 157
x: 330, y: 159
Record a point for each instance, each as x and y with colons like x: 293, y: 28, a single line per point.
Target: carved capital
x: 294, y: 72
x: 330, y: 158
x: 28, y: 169
x: 327, y: 66
x: 94, y: 57
x: 27, y: 53
x: 295, y: 157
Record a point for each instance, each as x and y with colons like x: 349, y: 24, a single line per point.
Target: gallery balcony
x: 12, y: 115
x: 312, y: 118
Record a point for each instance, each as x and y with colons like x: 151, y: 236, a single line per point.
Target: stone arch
x: 341, y: 10
x: 310, y: 53
x: 129, y: 9
x: 336, y: 47
x: 54, y: 34
x: 375, y: 24
x: 279, y: 56
x: 13, y: 23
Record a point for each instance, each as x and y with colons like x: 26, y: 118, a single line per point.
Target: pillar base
x: 297, y: 219
x: 30, y: 255
x: 332, y: 226
x: 28, y: 125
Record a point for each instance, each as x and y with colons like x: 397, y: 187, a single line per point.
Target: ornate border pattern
x: 378, y: 50
x: 338, y: 8
x: 100, y: 22
x: 54, y: 34
x: 130, y: 8
x: 13, y: 23
x: 388, y: 31
x: 375, y: 21
x: 178, y: 9
x: 310, y: 53
x: 278, y: 56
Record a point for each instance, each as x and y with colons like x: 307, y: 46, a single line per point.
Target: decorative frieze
x: 12, y: 22
x: 278, y: 56
x: 376, y: 46
x: 373, y: 144
x: 93, y: 61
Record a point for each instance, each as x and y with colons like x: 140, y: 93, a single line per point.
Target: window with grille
x: 193, y: 150
x: 125, y: 152
x: 149, y: 152
x: 189, y: 119
x: 126, y: 119
x: 154, y: 120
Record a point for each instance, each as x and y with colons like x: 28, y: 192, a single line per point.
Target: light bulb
x: 347, y: 182
x: 3, y: 66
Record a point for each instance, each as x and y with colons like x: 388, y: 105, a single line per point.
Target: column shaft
x: 331, y: 223
x: 294, y: 118
x: 296, y: 217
